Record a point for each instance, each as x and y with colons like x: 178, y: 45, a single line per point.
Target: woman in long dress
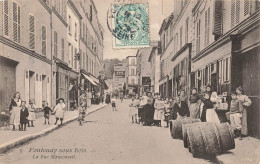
x: 209, y: 114
x: 245, y: 102
x: 59, y: 111
x: 14, y: 108
x: 31, y: 109
x: 194, y: 109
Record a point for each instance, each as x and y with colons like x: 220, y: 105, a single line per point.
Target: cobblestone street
x: 109, y: 137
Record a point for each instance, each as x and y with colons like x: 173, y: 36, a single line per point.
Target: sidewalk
x: 9, y: 138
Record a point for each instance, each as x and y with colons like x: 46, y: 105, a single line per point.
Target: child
x: 236, y: 109
x: 113, y: 104
x: 82, y: 107
x: 46, y: 109
x: 31, y: 109
x: 168, y: 108
x: 23, y: 116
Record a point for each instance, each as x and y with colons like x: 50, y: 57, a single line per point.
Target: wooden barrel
x: 184, y: 131
x: 176, y: 126
x: 210, y: 139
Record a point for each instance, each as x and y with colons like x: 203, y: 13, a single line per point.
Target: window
x: 6, y: 16
x: 92, y: 66
x: 207, y: 25
x: 83, y: 31
x: 31, y: 33
x: 76, y: 31
x: 17, y: 23
x: 62, y: 49
x: 90, y: 12
x: 132, y: 72
x: 235, y: 12
x: 132, y: 61
x: 181, y: 37
x: 87, y: 63
x: 69, y: 24
x: 198, y: 37
x: 187, y: 30
x: 75, y: 59
x: 246, y: 7
x: 171, y: 28
x: 55, y: 43
x: 44, y: 44
x: 83, y: 60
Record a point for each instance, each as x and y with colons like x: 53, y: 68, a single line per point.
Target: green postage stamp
x: 130, y: 25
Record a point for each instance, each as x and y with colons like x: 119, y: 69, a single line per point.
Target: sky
x: 158, y: 10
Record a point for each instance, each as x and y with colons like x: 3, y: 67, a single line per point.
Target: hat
x: 30, y: 101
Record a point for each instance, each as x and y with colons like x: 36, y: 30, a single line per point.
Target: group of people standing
x: 155, y: 110
x: 21, y: 114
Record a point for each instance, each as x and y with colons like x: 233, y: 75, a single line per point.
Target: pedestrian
x: 148, y: 110
x: 143, y: 102
x: 167, y: 106
x: 236, y: 110
x: 14, y: 108
x: 59, y: 111
x: 108, y: 99
x: 208, y: 113
x: 181, y: 108
x: 183, y: 96
x: 246, y: 102
x: 209, y: 90
x: 82, y: 107
x: 31, y: 109
x: 24, y: 113
x: 113, y: 103
x: 159, y: 111
x: 194, y: 110
x: 121, y: 98
x: 46, y: 110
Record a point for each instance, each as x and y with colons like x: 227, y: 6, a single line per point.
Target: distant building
x: 131, y: 75
x: 154, y: 60
x: 143, y: 69
x: 119, y: 76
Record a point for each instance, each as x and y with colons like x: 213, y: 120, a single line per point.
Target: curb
x: 22, y: 140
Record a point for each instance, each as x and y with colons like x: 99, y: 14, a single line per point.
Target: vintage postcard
x: 129, y: 81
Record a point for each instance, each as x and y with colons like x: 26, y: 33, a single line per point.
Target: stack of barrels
x: 201, y: 138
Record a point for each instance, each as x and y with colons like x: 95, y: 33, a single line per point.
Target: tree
x: 109, y: 66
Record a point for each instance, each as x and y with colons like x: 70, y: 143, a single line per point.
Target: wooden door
x: 250, y: 83
x: 7, y: 82
x: 32, y: 86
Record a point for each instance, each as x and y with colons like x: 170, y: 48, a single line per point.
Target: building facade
x: 227, y: 41
x: 40, y: 50
x: 131, y: 75
x: 154, y: 60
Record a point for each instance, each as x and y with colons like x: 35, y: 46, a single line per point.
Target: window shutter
x: 31, y: 32
x: 18, y: 25
x: 6, y: 24
x: 62, y: 49
x: 217, y: 28
x: 237, y: 11
x: 246, y: 7
x: 43, y: 40
x: 55, y: 43
x: 233, y: 7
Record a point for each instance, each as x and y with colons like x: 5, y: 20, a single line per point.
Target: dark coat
x: 183, y: 110
x: 207, y: 105
x: 23, y: 115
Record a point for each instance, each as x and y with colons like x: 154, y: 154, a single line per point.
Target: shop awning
x: 89, y: 79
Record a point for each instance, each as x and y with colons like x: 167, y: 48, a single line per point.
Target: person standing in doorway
x: 246, y: 102
x: 194, y: 110
x: 14, y: 108
x: 59, y: 111
x: 31, y: 109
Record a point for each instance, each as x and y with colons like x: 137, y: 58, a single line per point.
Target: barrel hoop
x: 204, y: 139
x: 218, y: 137
x: 231, y: 133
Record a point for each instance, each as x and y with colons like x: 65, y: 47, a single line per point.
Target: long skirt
x: 158, y: 114
x: 211, y: 116
x: 244, y: 130
x: 194, y: 111
x: 15, y: 116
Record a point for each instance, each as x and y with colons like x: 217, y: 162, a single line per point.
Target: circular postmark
x: 130, y: 24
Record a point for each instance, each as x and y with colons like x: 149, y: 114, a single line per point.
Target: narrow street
x: 105, y: 137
